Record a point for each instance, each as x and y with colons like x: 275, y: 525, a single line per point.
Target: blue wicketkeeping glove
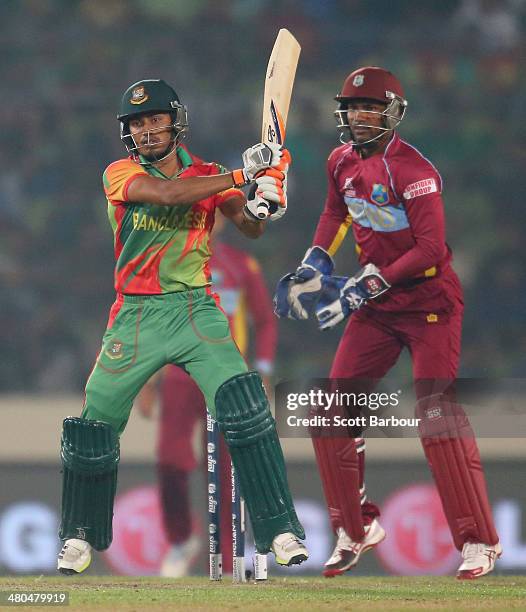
x: 297, y: 292
x: 341, y: 296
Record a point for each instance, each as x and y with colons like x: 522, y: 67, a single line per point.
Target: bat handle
x: 262, y: 210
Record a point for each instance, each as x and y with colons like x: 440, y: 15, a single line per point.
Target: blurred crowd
x: 65, y: 64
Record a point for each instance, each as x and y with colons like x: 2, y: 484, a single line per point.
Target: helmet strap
x: 132, y: 147
x: 392, y: 116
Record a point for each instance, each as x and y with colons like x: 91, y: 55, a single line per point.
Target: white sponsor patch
x: 348, y: 188
x: 420, y: 188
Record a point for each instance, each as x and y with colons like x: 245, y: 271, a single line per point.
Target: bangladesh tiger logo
x: 114, y: 351
x: 139, y: 95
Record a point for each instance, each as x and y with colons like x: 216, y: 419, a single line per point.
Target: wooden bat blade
x: 279, y: 80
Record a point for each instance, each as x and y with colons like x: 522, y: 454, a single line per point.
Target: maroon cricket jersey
x: 237, y: 278
x: 393, y: 203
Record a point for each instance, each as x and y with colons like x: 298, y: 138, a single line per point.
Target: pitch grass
x: 290, y: 594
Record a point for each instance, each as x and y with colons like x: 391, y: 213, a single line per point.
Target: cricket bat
x: 279, y: 80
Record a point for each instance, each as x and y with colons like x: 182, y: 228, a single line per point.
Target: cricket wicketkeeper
x: 162, y: 201
x: 405, y: 296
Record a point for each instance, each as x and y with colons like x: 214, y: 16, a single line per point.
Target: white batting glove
x: 260, y: 157
x: 270, y: 198
x: 270, y: 189
x: 285, y: 162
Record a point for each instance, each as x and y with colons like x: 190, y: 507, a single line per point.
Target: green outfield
x: 344, y: 593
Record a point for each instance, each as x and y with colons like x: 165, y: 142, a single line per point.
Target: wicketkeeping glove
x: 342, y: 295
x: 297, y: 292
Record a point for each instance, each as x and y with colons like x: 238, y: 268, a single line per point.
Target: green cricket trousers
x: 145, y: 333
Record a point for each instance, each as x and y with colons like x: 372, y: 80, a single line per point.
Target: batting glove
x: 256, y: 159
x: 278, y: 212
x: 270, y: 189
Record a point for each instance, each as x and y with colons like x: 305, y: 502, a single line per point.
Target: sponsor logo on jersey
x: 379, y: 194
x: 348, y: 188
x: 139, y: 95
x: 358, y: 80
x: 388, y: 218
x: 419, y: 188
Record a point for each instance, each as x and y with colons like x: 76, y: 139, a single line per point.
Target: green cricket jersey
x: 160, y: 249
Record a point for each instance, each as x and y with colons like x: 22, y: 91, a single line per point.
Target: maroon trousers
x: 370, y: 346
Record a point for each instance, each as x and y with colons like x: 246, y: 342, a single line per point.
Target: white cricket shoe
x: 74, y: 557
x: 179, y: 558
x: 347, y: 553
x: 479, y: 559
x: 288, y: 549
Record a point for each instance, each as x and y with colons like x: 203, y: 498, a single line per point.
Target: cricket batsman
x: 406, y: 295
x: 162, y: 201
x: 239, y: 282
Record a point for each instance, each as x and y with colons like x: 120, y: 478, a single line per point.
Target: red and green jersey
x: 160, y: 249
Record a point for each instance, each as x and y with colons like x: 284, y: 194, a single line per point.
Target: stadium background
x: 64, y: 67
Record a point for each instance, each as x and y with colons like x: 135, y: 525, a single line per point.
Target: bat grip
x: 262, y: 210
